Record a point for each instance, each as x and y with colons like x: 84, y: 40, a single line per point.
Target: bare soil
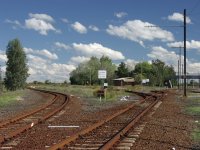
x: 30, y: 100
x: 168, y: 128
x: 78, y: 112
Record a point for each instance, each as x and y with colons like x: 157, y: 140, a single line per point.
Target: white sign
x: 105, y: 84
x: 145, y: 80
x: 102, y: 74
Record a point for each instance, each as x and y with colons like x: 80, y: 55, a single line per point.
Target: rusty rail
x: 116, y: 137
x: 94, y: 126
x: 12, y: 120
x: 28, y: 126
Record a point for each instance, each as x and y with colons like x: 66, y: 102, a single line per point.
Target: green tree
x: 92, y: 70
x: 17, y: 69
x: 122, y: 70
x: 161, y: 72
x: 47, y: 82
x: 138, y: 78
x: 106, y: 64
x: 143, y: 68
x: 87, y: 73
x: 157, y: 72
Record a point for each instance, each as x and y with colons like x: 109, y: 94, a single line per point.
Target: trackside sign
x: 102, y: 74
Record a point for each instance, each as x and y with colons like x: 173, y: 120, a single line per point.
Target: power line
x: 184, y: 31
x: 154, y: 26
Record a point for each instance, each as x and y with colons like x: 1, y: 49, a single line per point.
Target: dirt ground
x: 78, y: 112
x: 169, y: 127
x: 30, y: 100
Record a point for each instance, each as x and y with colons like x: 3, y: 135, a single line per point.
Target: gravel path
x: 78, y: 112
x: 168, y: 129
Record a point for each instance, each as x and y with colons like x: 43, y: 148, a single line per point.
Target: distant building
x: 124, y: 81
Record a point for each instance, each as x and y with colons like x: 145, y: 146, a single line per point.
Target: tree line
x: 87, y: 73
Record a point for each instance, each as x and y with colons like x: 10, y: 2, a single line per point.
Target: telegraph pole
x: 184, y: 69
x: 185, y: 94
x: 178, y: 76
x: 179, y: 66
x: 1, y: 84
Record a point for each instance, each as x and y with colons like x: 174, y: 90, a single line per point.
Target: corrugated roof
x: 125, y: 79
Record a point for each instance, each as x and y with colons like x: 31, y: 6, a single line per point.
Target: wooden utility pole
x: 1, y: 82
x: 178, y: 75
x: 185, y: 94
x: 179, y: 66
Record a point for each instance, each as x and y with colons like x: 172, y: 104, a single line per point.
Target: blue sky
x: 57, y: 35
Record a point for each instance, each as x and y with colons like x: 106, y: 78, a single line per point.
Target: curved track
x: 104, y: 134
x: 14, y: 126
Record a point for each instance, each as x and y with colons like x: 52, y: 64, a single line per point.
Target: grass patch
x: 87, y: 92
x: 194, y: 110
x: 82, y: 91
x: 113, y: 93
x: 196, y: 135
x: 9, y: 97
x: 144, y: 88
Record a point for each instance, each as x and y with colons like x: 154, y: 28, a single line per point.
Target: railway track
x: 106, y: 133
x: 15, y: 126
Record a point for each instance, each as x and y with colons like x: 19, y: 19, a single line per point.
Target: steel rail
x: 33, y: 123
x: 61, y: 144
x: 109, y: 144
x: 154, y: 97
x: 12, y: 120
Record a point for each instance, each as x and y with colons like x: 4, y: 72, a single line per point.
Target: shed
x: 124, y: 81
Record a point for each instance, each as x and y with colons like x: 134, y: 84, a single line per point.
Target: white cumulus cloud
x: 44, y: 17
x: 65, y: 20
x: 139, y: 31
x: 79, y: 59
x: 120, y: 14
x: 15, y: 22
x: 98, y: 50
x: 43, y: 52
x: 131, y: 63
x: 193, y: 68
x: 3, y: 57
x: 171, y: 58
x: 41, y: 69
x: 48, y: 54
x: 78, y: 27
x: 178, y: 17
x: 62, y: 45
x: 41, y: 23
x: 189, y: 44
x: 94, y: 28
x: 158, y: 52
